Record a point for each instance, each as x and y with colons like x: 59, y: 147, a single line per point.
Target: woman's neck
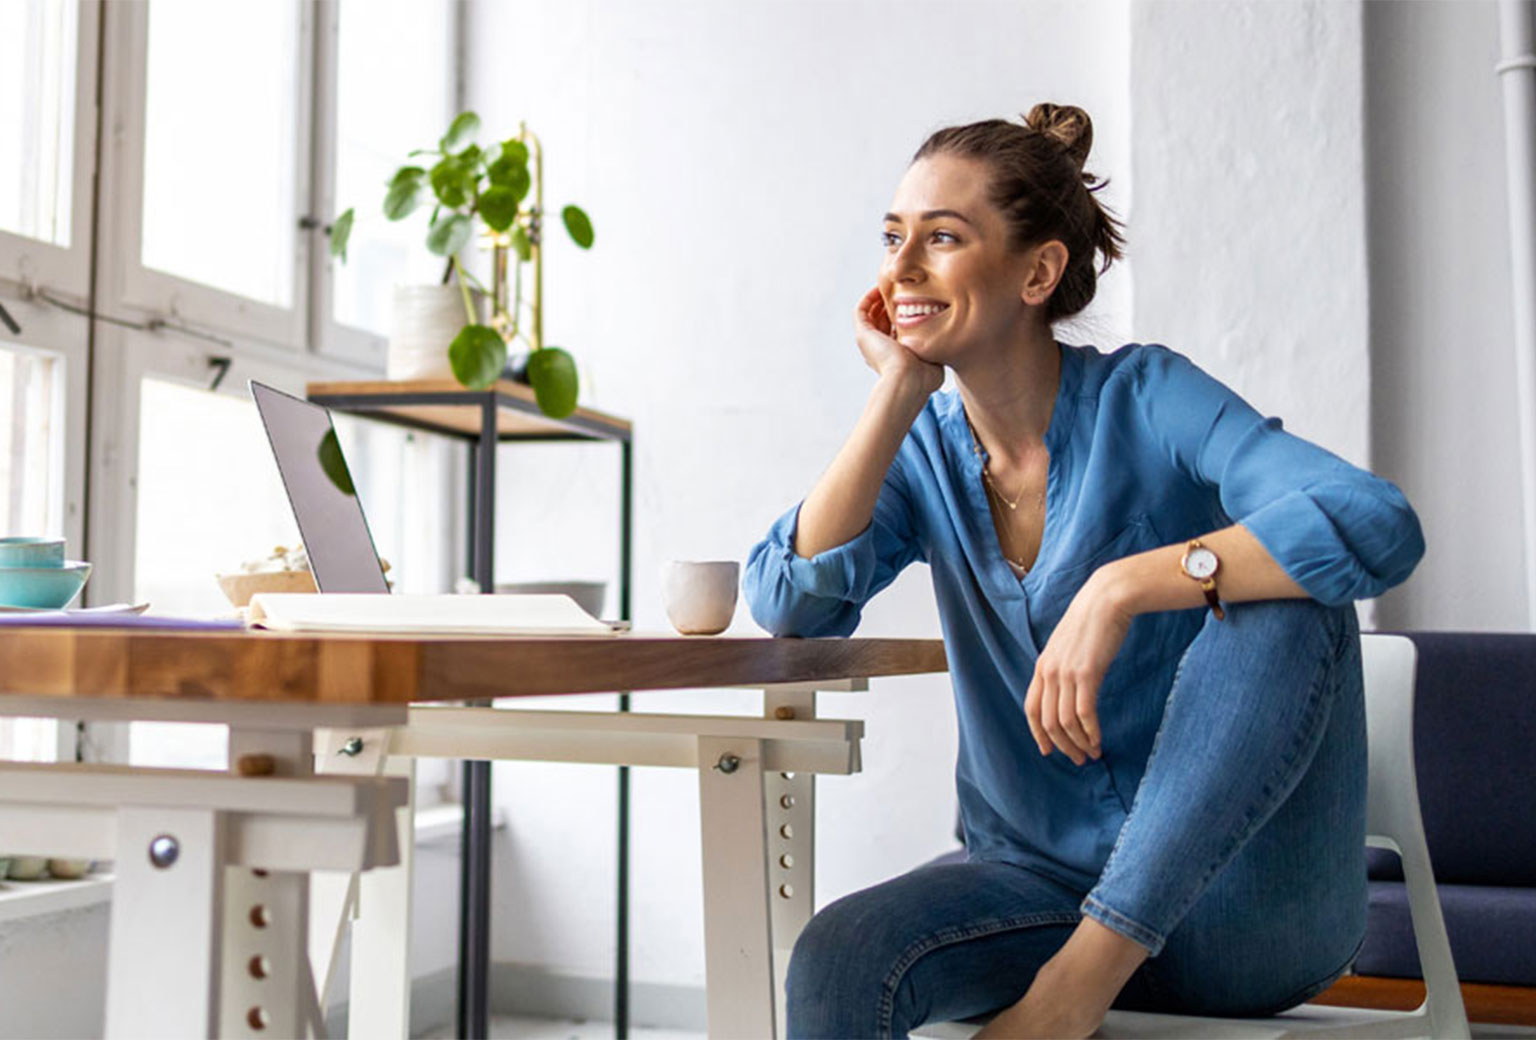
x: 1010, y: 395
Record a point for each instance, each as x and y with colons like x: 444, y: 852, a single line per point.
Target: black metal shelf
x: 504, y: 412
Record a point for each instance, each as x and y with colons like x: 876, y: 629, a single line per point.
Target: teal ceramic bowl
x: 49, y: 588
x: 31, y: 552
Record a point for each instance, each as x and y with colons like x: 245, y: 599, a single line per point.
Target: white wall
x: 1249, y: 227
x: 735, y: 158
x: 1443, y: 408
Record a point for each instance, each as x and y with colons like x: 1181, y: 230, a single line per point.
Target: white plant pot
x: 426, y: 319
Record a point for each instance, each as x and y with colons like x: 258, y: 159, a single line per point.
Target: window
x: 31, y: 442
x: 37, y: 117
x: 381, y: 116
x: 221, y: 146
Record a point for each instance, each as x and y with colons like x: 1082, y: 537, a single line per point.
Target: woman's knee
x: 835, y: 972
x: 1290, y: 624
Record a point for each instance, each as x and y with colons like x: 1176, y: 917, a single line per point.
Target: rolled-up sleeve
x: 824, y: 595
x: 1339, y: 532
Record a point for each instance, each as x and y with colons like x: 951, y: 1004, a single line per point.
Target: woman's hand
x: 877, y: 342
x: 1062, y: 702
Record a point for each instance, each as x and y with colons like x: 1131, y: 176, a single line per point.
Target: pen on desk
x: 10, y: 322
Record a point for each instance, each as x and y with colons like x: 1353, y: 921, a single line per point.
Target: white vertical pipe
x: 1517, y: 75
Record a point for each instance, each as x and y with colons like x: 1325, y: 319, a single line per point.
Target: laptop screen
x: 319, y: 485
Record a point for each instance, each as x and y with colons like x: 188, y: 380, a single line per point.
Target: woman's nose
x: 905, y: 262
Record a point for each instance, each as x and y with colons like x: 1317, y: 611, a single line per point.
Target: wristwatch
x: 1201, y: 564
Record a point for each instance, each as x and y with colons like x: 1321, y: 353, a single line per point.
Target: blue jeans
x: 1241, y: 865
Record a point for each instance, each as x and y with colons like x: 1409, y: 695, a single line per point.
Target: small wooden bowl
x: 239, y: 588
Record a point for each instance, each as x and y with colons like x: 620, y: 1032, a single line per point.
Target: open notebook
x: 415, y: 614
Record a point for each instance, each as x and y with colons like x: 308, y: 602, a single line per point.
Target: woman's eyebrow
x: 932, y: 214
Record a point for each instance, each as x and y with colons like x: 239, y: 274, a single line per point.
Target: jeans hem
x: 1118, y: 922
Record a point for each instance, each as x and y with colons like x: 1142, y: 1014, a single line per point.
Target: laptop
x: 319, y: 485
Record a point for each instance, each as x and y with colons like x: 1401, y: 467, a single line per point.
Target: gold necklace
x: 986, y: 476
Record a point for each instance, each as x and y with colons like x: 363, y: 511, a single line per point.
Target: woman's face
x: 949, y: 278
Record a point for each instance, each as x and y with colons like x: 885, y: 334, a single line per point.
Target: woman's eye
x: 891, y: 238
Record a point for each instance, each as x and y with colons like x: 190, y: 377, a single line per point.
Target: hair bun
x: 1067, y: 125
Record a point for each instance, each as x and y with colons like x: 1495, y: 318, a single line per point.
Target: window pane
x: 381, y: 116
x: 31, y: 446
x: 220, y: 165
x: 37, y: 117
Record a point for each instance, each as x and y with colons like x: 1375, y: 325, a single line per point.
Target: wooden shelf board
x: 462, y: 417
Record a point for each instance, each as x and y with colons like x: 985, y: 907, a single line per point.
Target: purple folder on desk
x: 62, y: 619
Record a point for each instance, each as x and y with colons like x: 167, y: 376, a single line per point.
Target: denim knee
x: 835, y: 978
x: 1283, y: 620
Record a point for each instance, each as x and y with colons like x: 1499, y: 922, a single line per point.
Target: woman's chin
x: 924, y: 348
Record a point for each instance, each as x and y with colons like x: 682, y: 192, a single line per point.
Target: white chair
x: 1392, y: 822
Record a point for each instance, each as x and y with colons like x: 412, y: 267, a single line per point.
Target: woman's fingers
x: 1073, y: 695
x: 1061, y: 714
x: 1032, y: 701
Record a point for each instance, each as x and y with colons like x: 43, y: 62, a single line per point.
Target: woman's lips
x: 913, y: 320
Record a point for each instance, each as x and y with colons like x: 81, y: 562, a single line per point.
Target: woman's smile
x: 914, y: 311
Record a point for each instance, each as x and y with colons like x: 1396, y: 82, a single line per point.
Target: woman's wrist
x: 906, y: 390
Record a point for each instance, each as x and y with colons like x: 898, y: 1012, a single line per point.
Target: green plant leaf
x: 515, y: 151
x: 553, y: 374
x: 334, y: 464
x: 511, y: 175
x: 521, y: 244
x: 498, y: 207
x: 447, y: 236
x: 447, y: 183
x: 341, y: 230
x: 477, y: 355
x: 402, y: 198
x: 463, y: 129
x: 578, y: 225
x: 407, y: 173
x: 469, y: 156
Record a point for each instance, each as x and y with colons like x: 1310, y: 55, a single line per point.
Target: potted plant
x: 466, y: 184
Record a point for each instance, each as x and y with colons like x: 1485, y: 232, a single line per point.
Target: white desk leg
x: 789, y: 801
x: 166, y: 924
x: 379, y: 1003
x: 738, y: 959
x: 266, y: 974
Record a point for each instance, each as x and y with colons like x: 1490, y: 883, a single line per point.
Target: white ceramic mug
x: 701, y: 597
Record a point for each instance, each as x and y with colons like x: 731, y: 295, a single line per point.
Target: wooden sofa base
x: 1511, y: 1005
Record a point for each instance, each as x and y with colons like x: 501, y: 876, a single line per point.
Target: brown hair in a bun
x: 1039, y: 184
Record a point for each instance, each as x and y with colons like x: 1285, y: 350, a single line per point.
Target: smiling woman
x: 1161, y: 770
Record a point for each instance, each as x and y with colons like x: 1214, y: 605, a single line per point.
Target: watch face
x: 1200, y: 563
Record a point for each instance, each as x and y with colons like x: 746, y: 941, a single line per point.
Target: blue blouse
x: 1145, y: 450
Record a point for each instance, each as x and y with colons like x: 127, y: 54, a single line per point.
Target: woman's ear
x: 1047, y: 262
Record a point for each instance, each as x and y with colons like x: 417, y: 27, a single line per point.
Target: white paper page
x: 534, y: 614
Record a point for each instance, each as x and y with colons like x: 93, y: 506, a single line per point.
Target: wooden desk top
x: 278, y: 667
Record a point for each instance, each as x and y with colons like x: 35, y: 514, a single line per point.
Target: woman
x: 1145, y: 589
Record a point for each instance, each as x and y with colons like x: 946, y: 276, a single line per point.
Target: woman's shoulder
x: 1130, y: 361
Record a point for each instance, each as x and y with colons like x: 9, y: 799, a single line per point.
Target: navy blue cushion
x: 1474, y: 743
x: 1492, y: 931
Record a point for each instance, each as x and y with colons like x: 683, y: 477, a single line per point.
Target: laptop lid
x: 319, y: 485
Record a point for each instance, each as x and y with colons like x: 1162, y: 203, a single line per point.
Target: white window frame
x: 130, y: 285
x: 29, y: 264
x: 65, y: 269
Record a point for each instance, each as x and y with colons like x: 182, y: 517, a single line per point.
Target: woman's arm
x: 853, y: 534
x: 1154, y: 580
x: 843, y: 501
